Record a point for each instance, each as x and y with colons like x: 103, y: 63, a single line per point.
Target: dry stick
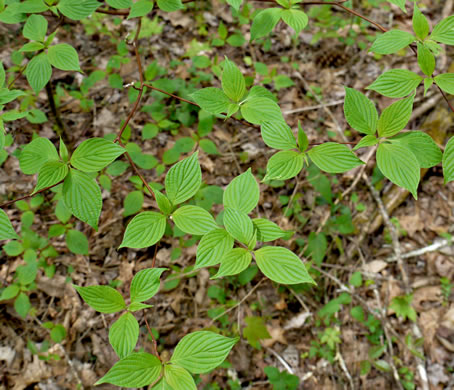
x: 427, y: 249
x: 30, y: 195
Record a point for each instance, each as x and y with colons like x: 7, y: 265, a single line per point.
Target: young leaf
x: 395, y: 117
x: 140, y: 8
x: 420, y: 24
x: 163, y: 202
x: 2, y: 75
x: 399, y: 3
x: 179, y: 378
x: 423, y: 147
x: 368, y: 140
x: 258, y: 110
x: 212, y: 247
x: 444, y: 31
x: 448, y: 161
x: 427, y: 84
x: 259, y: 91
x: 238, y: 224
x: 136, y: 370
x: 233, y: 83
x: 303, y: 141
x: 162, y: 385
x: 296, y: 19
x: 136, y: 306
x: 242, y: 193
x: 64, y: 57
x: 104, y: 299
x: 77, y: 9
x: 334, y: 158
x: 360, y: 112
x: 234, y: 262
x: 281, y: 265
x: 284, y: 165
x: 94, y: 154
x: 446, y: 82
x: 236, y: 4
x: 278, y: 135
x: 264, y: 22
x: 22, y: 305
x: 194, y: 220
x: 202, y: 351
x: 10, y: 292
x: 184, y: 179
x: 133, y: 203
x: 77, y: 242
x: 144, y: 230
x: 267, y: 230
x: 402, y: 306
x: 392, y: 41
x: 400, y: 166
x: 38, y: 72
x: 63, y: 151
x: 36, y: 154
x: 35, y: 28
x: 145, y: 284
x: 51, y: 173
x: 123, y: 335
x: 396, y: 83
x: 212, y: 100
x: 6, y: 228
x: 82, y: 196
x: 170, y: 5
x: 426, y: 60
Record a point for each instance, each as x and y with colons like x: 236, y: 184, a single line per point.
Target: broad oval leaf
x: 396, y: 83
x: 169, y: 5
x: 444, y: 31
x: 212, y: 248
x: 242, y: 193
x: 264, y: 22
x: 212, y: 100
x: 119, y: 4
x: 360, y: 112
x: 233, y: 82
x: 179, y: 378
x: 334, y: 158
x: 281, y: 265
x: 395, y: 117
x: 104, y: 299
x: 295, y: 18
x: 123, y: 335
x: 38, y: 72
x: 51, y: 173
x: 145, y: 284
x: 94, y: 154
x: 284, y: 165
x: 234, y: 262
x: 278, y: 135
x: 144, y: 230
x: 140, y: 8
x: 6, y: 228
x: 202, y: 351
x: 392, y: 41
x: 446, y: 82
x: 77, y: 9
x: 183, y: 180
x: 36, y: 154
x: 136, y: 370
x: 267, y: 230
x: 77, y: 242
x: 399, y: 165
x: 239, y: 225
x: 64, y: 57
x: 258, y: 110
x: 35, y: 28
x: 82, y: 196
x: 448, y: 161
x: 194, y: 220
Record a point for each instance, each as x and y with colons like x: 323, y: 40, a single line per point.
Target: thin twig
x: 30, y: 195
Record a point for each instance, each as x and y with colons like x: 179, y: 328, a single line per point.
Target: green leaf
x: 264, y: 22
x: 136, y: 370
x: 236, y: 4
x: 281, y: 265
x: 104, y: 299
x: 258, y: 110
x: 162, y: 385
x: 444, y: 31
x: 239, y: 225
x: 426, y: 60
x: 402, y: 306
x: 396, y: 83
x: 136, y: 306
x: 22, y: 305
x: 399, y: 165
x: 234, y: 262
x: 184, y: 179
x: 9, y: 292
x: 334, y: 158
x: 422, y: 145
x: 446, y: 82
x: 208, y: 146
x: 448, y: 161
x: 38, y: 72
x: 360, y: 112
x: 296, y: 19
x: 133, y: 203
x: 242, y: 193
x: 82, y: 196
x: 145, y: 284
x: 212, y: 247
x: 163, y: 202
x: 202, y: 351
x: 212, y: 100
x: 35, y: 28
x: 284, y: 165
x: 233, y: 83
x: 7, y: 96
x: 267, y: 230
x: 77, y: 9
x: 259, y: 91
x: 420, y: 23
x: 395, y: 117
x: 51, y: 173
x: 179, y: 378
x: 2, y: 74
x: 392, y: 41
x: 255, y: 331
x: 303, y: 141
x: 36, y: 154
x: 58, y: 333
x: 140, y: 8
x: 194, y: 220
x: 31, y: 46
x: 399, y: 3
x: 33, y: 6
x: 119, y: 4
x: 169, y: 5
x: 6, y: 228
x: 144, y: 230
x: 77, y: 242
x: 278, y: 135
x: 94, y: 154
x: 427, y: 84
x: 368, y: 140
x: 123, y: 335
x: 63, y: 151
x: 64, y: 57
